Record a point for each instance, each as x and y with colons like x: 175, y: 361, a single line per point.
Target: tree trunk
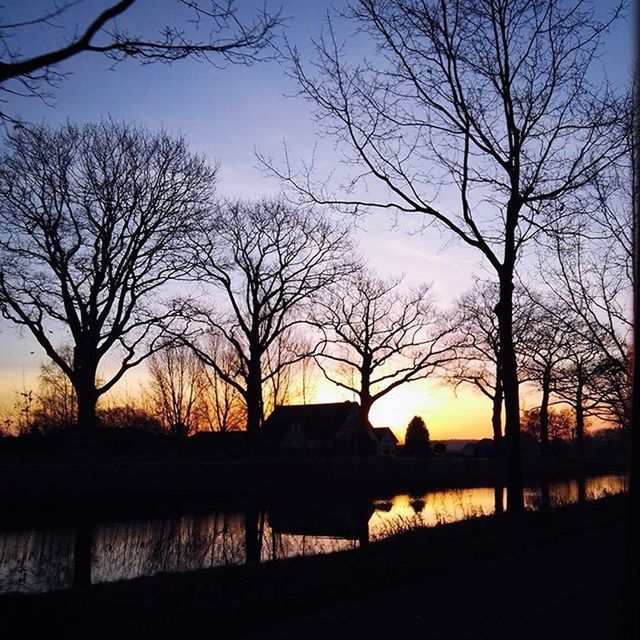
x: 254, y: 396
x: 498, y: 499
x: 504, y: 312
x: 87, y: 402
x: 545, y: 496
x: 361, y: 441
x: 544, y: 412
x: 582, y: 490
x: 252, y: 538
x: 362, y: 445
x: 365, y: 389
x: 365, y: 407
x: 85, y: 368
x: 496, y: 415
x: 579, y: 420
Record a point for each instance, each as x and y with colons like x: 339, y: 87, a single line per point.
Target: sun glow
x: 447, y: 415
x: 463, y: 414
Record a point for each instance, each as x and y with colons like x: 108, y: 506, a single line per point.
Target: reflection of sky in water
x: 430, y: 509
x: 37, y: 561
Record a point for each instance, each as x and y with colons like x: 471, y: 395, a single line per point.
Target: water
x: 59, y: 558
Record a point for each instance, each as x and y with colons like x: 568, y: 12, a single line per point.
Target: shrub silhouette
x: 416, y: 440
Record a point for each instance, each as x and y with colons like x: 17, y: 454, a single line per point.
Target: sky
x: 230, y: 114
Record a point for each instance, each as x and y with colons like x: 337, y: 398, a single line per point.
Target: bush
x: 416, y: 439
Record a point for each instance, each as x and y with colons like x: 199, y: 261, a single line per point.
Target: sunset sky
x: 229, y: 114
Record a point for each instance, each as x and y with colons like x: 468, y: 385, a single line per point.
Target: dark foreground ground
x: 557, y: 574
x: 569, y: 588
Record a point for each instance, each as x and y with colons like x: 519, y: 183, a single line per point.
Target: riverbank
x: 48, y: 491
x: 242, y: 599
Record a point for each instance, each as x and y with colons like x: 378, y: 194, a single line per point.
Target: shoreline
x: 37, y: 492
x: 273, y: 591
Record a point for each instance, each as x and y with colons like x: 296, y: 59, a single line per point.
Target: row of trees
x: 495, y: 104
x: 488, y: 120
x: 557, y: 354
x: 101, y: 221
x: 105, y: 217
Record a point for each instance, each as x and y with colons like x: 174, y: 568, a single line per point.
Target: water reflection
x: 39, y: 561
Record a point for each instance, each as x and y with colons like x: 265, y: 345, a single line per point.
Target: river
x: 49, y: 559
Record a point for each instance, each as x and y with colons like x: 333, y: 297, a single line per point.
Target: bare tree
x: 545, y: 347
x: 268, y: 260
x: 577, y: 382
x: 491, y: 100
x: 288, y: 382
x: 376, y: 338
x: 226, y: 410
x: 587, y: 277
x: 478, y: 363
x: 590, y: 272
x: 57, y: 405
x: 560, y: 424
x: 228, y: 39
x: 177, y: 389
x: 94, y: 219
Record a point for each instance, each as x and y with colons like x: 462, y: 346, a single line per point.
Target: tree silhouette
x: 225, y: 407
x: 490, y: 101
x: 546, y: 349
x: 55, y: 397
x: 228, y: 40
x: 580, y: 378
x: 416, y: 439
x: 268, y: 261
x: 478, y: 363
x: 590, y: 272
x: 94, y: 219
x: 178, y: 387
x: 560, y: 424
x: 379, y: 338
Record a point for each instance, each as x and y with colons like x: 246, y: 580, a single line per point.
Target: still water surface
x: 61, y: 558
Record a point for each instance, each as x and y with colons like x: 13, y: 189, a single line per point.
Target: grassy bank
x: 233, y: 600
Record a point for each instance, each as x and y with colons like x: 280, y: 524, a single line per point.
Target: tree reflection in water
x: 47, y: 560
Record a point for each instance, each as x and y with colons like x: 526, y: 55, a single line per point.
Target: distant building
x: 316, y: 428
x: 481, y: 449
x: 386, y: 442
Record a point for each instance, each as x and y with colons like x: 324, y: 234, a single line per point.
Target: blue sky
x: 229, y: 114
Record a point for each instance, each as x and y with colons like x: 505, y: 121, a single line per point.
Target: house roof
x: 381, y: 432
x: 318, y: 421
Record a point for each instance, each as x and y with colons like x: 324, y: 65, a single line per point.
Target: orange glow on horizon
x: 464, y: 414
x: 448, y: 415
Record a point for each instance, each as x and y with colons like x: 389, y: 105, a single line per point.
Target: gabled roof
x: 381, y: 432
x: 318, y: 421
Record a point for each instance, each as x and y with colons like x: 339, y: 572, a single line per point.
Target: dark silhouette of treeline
x: 101, y: 221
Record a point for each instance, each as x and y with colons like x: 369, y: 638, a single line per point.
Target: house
x: 314, y: 428
x: 386, y: 442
